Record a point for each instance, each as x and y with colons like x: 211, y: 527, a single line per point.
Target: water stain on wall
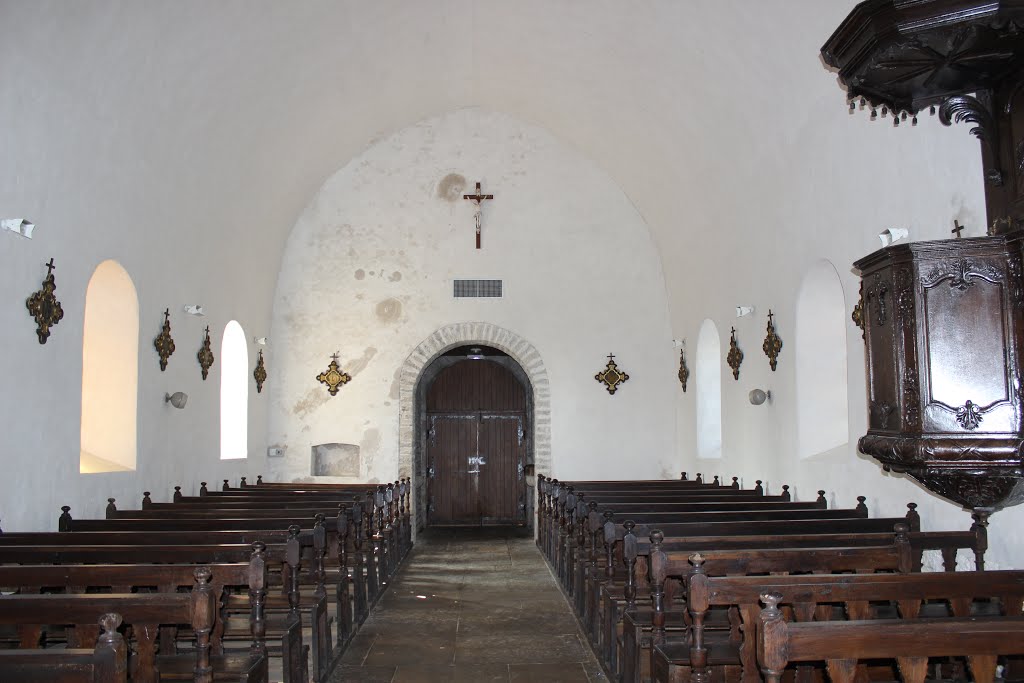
x: 313, y: 399
x: 395, y: 277
x: 370, y: 447
x: 395, y: 385
x: 451, y: 187
x: 359, y: 364
x: 389, y: 310
x: 360, y: 274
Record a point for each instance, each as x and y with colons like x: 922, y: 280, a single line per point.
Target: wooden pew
x: 146, y: 613
x: 106, y: 663
x: 349, y: 542
x: 842, y: 644
x: 755, y: 558
x: 820, y: 597
x: 241, y: 564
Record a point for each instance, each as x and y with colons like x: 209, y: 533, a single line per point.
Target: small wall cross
x: 50, y: 267
x: 957, y: 228
x: 478, y: 198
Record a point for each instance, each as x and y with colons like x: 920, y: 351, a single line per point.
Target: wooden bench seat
x: 145, y: 613
x: 843, y: 644
x: 824, y: 597
x: 106, y: 663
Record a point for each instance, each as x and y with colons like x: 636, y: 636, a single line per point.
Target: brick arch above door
x: 459, y: 334
x: 445, y: 339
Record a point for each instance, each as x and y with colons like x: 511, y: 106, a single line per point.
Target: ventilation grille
x: 478, y: 288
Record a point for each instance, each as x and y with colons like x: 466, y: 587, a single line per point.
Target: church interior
x: 349, y: 199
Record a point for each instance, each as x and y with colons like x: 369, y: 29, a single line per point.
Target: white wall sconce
x: 178, y: 399
x: 261, y: 341
x: 194, y: 309
x: 22, y: 226
x: 890, y: 235
x: 759, y: 396
x: 742, y: 311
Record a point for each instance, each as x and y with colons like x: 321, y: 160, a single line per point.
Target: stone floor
x: 471, y: 605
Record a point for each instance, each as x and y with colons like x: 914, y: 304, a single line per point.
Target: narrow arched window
x: 234, y: 393
x: 110, y: 371
x: 821, y: 387
x: 709, y: 392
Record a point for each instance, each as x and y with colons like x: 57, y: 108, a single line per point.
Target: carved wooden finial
x: 771, y: 602
x: 735, y: 482
x: 657, y: 536
x: 146, y: 500
x: 682, y: 476
x: 861, y: 507
x: 697, y: 560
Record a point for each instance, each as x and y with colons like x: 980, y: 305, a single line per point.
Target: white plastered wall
x: 368, y: 273
x: 184, y: 139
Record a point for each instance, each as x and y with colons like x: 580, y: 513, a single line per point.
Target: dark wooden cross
x: 167, y: 314
x: 957, y: 228
x: 50, y: 267
x: 478, y: 198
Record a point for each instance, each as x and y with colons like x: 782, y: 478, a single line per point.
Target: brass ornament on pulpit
x: 333, y: 377
x: 772, y: 344
x: 611, y: 376
x: 163, y: 343
x: 260, y: 373
x: 735, y: 357
x: 684, y: 372
x: 205, y: 355
x: 858, y: 313
x: 44, y: 307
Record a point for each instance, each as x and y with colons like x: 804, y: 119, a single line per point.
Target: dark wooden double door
x: 476, y: 445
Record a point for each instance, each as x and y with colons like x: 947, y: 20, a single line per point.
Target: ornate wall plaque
x: 260, y: 373
x: 333, y: 377
x: 735, y: 357
x: 205, y: 355
x: 163, y: 343
x: 772, y: 344
x: 44, y: 307
x: 611, y: 377
x: 684, y: 372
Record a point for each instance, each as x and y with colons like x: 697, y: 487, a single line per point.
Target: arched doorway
x: 477, y: 406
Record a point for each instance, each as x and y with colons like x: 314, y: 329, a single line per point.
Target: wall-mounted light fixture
x: 742, y: 311
x: 475, y: 353
x: 194, y: 309
x: 22, y: 226
x: 890, y: 235
x: 759, y: 396
x: 178, y: 399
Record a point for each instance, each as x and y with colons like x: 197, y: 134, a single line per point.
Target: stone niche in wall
x: 335, y: 460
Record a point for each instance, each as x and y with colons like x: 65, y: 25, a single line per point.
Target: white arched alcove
x: 821, y: 385
x: 368, y: 274
x: 110, y: 371
x: 234, y: 393
x: 709, y: 391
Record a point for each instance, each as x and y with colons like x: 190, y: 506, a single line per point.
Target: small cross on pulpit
x: 478, y: 198
x: 50, y: 267
x: 957, y: 228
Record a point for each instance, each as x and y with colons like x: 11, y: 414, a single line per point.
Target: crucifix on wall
x: 479, y: 199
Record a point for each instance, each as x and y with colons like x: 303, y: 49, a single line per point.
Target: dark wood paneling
x: 476, y: 410
x: 475, y: 386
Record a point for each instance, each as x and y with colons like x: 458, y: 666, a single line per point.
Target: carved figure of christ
x: 478, y: 198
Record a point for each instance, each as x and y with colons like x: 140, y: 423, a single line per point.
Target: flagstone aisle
x: 471, y: 605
